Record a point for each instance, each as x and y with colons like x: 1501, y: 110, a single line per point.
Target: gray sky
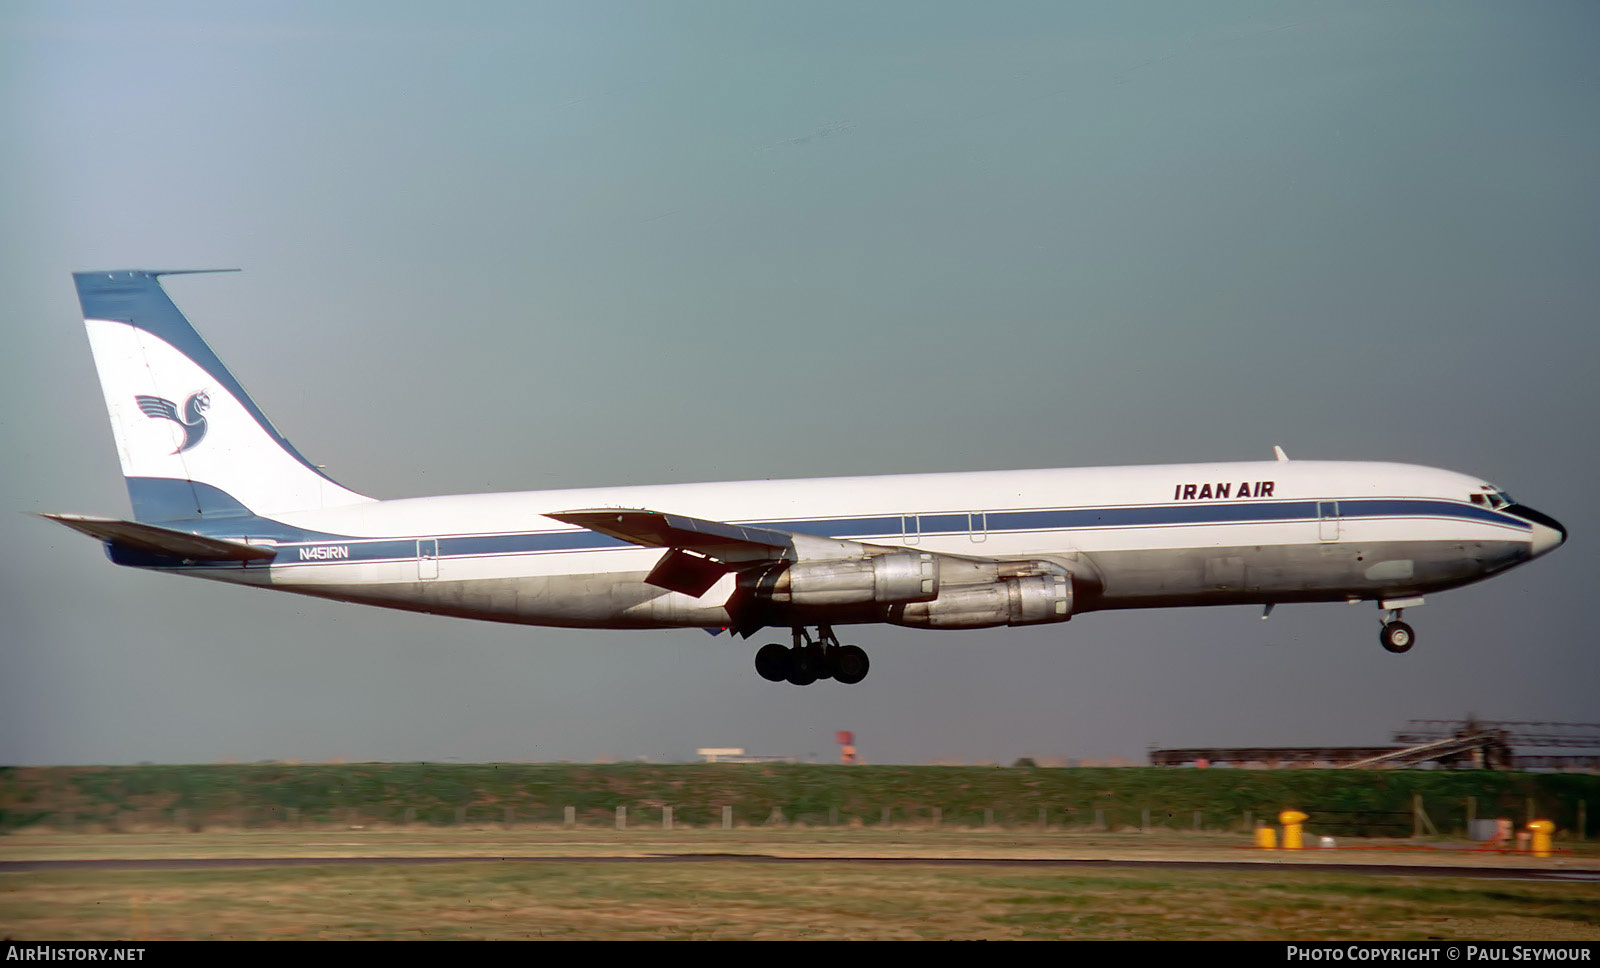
x: 516, y: 246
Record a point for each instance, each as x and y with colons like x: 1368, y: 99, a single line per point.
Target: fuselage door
x: 911, y: 525
x: 1328, y: 520
x: 427, y: 558
x: 978, y: 526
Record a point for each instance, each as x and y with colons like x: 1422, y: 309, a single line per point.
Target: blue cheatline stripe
x: 879, y: 527
x: 892, y: 528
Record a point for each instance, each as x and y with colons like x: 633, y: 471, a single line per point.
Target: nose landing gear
x: 806, y: 661
x: 1396, y: 635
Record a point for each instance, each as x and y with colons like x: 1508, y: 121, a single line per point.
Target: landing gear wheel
x: 1397, y: 637
x: 849, y: 664
x: 802, y: 667
x: 821, y: 661
x: 772, y: 663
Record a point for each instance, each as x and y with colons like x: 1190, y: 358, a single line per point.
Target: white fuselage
x: 1179, y: 534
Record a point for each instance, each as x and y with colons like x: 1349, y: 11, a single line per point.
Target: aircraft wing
x: 655, y: 529
x: 702, y: 551
x: 162, y: 541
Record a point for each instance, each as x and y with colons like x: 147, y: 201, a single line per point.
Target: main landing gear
x: 806, y: 661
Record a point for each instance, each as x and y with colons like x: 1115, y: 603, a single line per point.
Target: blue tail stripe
x: 159, y: 500
x: 135, y: 296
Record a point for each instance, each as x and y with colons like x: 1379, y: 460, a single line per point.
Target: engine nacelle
x: 884, y: 580
x: 1026, y: 600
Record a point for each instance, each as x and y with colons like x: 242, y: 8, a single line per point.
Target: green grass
x: 279, y: 794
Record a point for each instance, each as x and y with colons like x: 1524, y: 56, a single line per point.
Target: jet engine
x: 1014, y: 600
x: 883, y: 579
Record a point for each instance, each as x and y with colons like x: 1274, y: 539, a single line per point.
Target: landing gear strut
x: 1397, y: 636
x: 806, y: 661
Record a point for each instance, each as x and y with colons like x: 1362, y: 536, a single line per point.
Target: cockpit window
x: 1492, y: 498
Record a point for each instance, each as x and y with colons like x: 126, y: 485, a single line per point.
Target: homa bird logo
x: 193, y: 420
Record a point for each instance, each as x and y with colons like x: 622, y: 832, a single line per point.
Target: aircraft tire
x: 820, y: 662
x: 1397, y: 637
x: 772, y: 663
x: 802, y: 667
x: 850, y: 664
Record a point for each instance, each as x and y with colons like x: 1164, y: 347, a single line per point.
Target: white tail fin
x: 192, y: 442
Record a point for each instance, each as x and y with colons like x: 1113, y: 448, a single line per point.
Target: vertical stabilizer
x: 191, y: 441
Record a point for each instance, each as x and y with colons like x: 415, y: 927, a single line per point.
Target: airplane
x: 219, y: 493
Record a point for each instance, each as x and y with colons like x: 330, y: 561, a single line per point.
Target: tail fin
x: 192, y: 442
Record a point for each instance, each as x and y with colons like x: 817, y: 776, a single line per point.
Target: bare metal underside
x: 1281, y: 574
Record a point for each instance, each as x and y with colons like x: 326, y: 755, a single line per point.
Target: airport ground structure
x: 1469, y: 743
x: 1395, y: 803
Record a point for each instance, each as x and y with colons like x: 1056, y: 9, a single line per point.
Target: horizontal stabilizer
x: 162, y: 541
x: 655, y: 529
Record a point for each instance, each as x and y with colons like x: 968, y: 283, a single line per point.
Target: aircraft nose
x: 1548, y: 533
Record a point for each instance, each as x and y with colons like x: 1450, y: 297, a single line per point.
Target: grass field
x: 732, y: 899
x: 277, y: 795
x: 832, y: 818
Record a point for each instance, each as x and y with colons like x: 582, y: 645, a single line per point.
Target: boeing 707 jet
x: 219, y: 493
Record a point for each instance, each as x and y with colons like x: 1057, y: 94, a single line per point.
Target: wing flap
x: 687, y: 573
x: 162, y: 541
